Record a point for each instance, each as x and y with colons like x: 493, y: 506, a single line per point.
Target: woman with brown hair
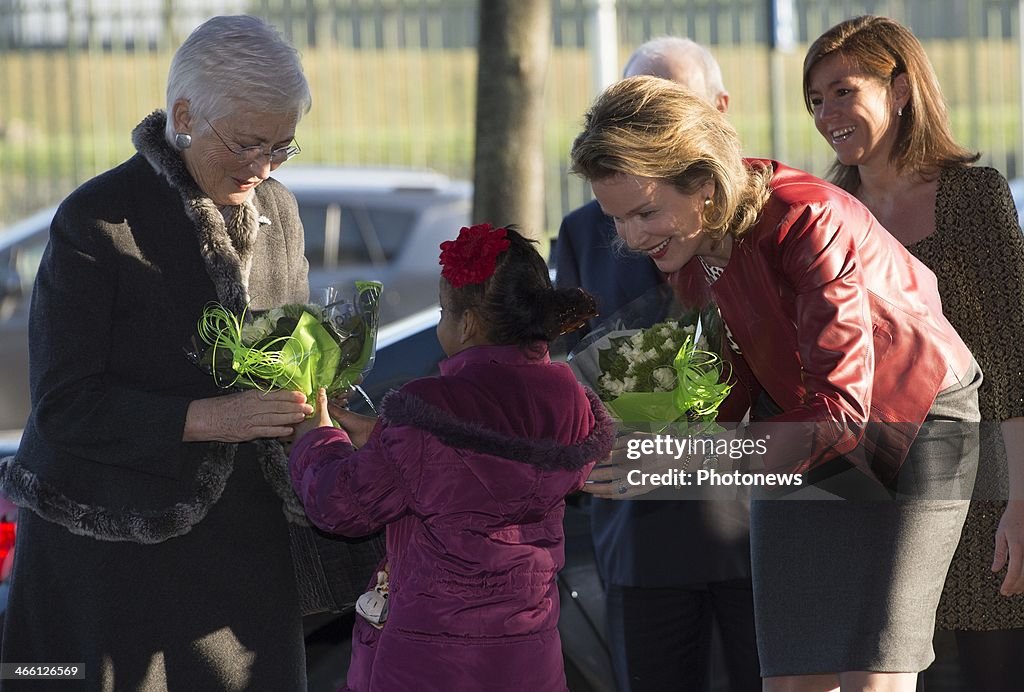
x: 876, y: 99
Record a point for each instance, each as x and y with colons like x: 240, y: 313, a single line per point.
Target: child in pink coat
x: 468, y: 471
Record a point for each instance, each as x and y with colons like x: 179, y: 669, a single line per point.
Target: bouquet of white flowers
x: 300, y: 347
x: 654, y: 377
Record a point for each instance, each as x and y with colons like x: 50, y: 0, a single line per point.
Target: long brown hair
x: 654, y: 128
x: 885, y: 49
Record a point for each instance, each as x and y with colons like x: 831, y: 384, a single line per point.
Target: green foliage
x: 298, y: 347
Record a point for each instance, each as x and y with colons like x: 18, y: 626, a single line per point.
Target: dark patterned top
x: 977, y: 254
x: 713, y: 274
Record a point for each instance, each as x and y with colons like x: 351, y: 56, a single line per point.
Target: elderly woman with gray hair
x: 155, y: 552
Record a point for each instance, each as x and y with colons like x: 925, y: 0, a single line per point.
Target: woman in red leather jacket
x: 844, y: 362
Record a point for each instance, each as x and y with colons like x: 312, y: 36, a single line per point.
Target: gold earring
x: 707, y: 208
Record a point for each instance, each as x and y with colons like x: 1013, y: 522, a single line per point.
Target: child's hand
x: 357, y: 426
x: 320, y: 417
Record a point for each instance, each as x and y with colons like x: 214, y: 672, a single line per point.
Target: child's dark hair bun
x: 568, y: 309
x: 518, y: 304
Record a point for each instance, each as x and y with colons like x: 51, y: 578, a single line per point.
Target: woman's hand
x: 244, y: 417
x: 610, y: 477
x: 357, y: 426
x: 1009, y: 550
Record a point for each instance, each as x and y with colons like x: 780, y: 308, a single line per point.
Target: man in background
x: 670, y: 568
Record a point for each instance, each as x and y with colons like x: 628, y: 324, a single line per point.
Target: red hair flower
x: 472, y: 257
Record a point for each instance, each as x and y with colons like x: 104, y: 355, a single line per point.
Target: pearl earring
x: 899, y: 112
x: 182, y: 140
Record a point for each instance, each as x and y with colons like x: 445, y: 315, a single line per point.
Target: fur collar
x: 226, y: 237
x: 25, y: 489
x: 226, y: 240
x: 403, y: 408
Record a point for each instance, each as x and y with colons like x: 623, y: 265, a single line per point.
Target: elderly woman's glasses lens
x: 250, y: 154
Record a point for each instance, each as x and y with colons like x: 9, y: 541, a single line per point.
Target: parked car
x: 379, y: 224
x: 406, y: 349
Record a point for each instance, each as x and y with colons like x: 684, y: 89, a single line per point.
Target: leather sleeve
x: 817, y: 260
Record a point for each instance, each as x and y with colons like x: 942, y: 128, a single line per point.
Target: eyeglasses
x: 249, y: 155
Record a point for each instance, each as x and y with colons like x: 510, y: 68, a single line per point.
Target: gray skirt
x: 853, y: 584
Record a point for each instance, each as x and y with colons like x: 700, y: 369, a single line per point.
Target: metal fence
x: 394, y: 80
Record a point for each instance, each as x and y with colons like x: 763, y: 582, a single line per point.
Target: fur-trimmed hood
x: 509, y: 403
x: 405, y: 408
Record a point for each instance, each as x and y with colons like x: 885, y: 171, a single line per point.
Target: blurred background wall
x: 393, y: 80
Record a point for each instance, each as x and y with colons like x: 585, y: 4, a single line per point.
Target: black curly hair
x: 518, y: 305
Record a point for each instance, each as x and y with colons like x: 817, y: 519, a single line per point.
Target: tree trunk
x: 515, y: 39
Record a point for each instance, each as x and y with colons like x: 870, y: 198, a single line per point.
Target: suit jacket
x: 650, y: 543
x: 585, y: 255
x: 835, y: 321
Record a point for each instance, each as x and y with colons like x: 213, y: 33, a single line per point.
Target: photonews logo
x: 710, y: 477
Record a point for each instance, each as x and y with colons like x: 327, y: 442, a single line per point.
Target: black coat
x: 151, y: 561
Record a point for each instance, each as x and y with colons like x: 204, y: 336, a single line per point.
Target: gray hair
x: 232, y: 60
x: 666, y: 51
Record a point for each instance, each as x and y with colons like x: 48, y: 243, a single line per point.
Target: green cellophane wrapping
x: 294, y: 347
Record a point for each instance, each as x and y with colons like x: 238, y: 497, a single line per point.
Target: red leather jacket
x: 836, y: 322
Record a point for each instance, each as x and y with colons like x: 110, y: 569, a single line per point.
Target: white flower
x: 261, y: 326
x: 629, y: 384
x: 256, y: 330
x: 637, y: 339
x: 665, y: 379
x: 613, y: 386
x: 263, y: 220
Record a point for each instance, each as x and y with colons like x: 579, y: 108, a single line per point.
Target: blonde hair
x: 653, y: 128
x: 885, y: 49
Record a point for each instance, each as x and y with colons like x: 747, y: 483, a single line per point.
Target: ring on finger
x: 622, y: 486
